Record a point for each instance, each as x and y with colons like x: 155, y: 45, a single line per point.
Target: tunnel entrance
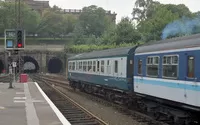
x: 1, y: 66
x: 55, y: 65
x: 30, y: 65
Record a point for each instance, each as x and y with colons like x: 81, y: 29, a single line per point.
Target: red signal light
x: 19, y: 45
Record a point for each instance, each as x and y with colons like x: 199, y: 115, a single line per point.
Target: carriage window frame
x: 139, y: 67
x: 80, y: 66
x: 70, y: 66
x: 172, y: 63
x: 188, y: 66
x: 153, y: 63
x: 77, y: 65
x: 116, y: 63
x: 102, y: 66
x: 98, y: 66
x: 89, y: 69
x: 94, y: 66
x: 73, y: 65
x: 108, y: 69
x: 85, y: 66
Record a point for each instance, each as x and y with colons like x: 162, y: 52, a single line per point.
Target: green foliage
x: 126, y: 33
x: 93, y: 20
x: 89, y: 48
x: 109, y: 36
x: 180, y: 9
x: 30, y: 19
x: 143, y: 9
x: 55, y: 24
x: 151, y: 28
x: 91, y: 26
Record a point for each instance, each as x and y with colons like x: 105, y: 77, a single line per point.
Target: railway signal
x: 9, y: 38
x: 20, y: 39
x: 14, y: 39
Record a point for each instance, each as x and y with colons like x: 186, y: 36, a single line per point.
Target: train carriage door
x: 190, y: 67
x: 131, y: 69
x: 191, y: 96
x: 130, y: 73
x: 139, y: 78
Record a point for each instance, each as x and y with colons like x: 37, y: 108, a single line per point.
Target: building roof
x: 171, y: 44
x: 105, y: 53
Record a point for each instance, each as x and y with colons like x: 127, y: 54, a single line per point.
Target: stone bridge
x: 37, y: 58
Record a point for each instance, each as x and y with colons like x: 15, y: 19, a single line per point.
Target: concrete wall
x: 54, y: 48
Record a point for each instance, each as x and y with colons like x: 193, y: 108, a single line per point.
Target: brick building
x: 41, y: 5
x: 77, y: 12
x: 35, y: 5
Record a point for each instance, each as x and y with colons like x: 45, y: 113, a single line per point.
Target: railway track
x: 74, y: 113
x: 138, y: 116
x: 5, y: 78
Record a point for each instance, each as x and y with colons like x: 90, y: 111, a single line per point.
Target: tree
x: 29, y: 18
x: 109, y: 36
x: 126, y: 33
x: 56, y: 24
x: 78, y: 34
x: 68, y: 24
x: 151, y: 28
x: 7, y: 16
x: 93, y: 20
x: 180, y: 9
x: 142, y: 9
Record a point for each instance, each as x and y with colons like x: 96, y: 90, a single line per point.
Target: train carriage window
x: 94, y: 66
x: 190, y: 71
x: 170, y: 66
x: 73, y: 66
x: 77, y: 65
x: 87, y: 66
x: 70, y: 66
x: 102, y: 66
x: 97, y: 66
x: 140, y: 67
x: 108, y: 67
x: 80, y: 66
x: 84, y: 66
x: 152, y: 66
x: 90, y: 66
x: 116, y: 66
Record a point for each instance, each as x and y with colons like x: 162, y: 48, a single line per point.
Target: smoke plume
x: 183, y: 26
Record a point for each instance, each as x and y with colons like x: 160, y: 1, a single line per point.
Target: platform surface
x: 26, y: 104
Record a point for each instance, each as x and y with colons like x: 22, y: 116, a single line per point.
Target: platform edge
x: 54, y: 108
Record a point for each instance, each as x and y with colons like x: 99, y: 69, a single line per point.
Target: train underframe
x: 172, y: 112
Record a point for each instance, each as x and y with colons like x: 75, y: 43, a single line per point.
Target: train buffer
x: 26, y: 104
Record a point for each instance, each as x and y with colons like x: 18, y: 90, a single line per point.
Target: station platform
x: 27, y: 104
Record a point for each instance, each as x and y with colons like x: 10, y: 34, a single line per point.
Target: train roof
x: 170, y: 44
x: 123, y: 51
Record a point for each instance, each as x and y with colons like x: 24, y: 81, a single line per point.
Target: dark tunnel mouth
x: 1, y: 66
x: 55, y: 65
x: 32, y: 60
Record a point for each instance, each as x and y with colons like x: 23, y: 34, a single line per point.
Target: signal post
x: 14, y: 44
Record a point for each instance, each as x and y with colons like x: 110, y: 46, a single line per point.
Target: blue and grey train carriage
x: 110, y: 69
x: 170, y: 70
